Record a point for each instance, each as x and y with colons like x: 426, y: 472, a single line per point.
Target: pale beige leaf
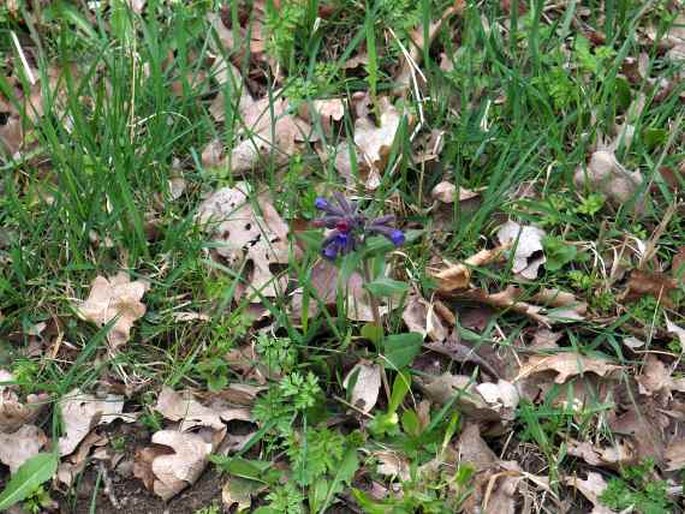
x: 604, y: 456
x: 189, y: 412
x: 528, y: 251
x: 420, y: 317
x: 174, y: 472
x: 14, y: 413
x: 592, y: 488
x: 82, y: 412
x: 17, y: 447
x: 392, y: 464
x: 446, y: 192
x: 605, y: 174
x: 566, y: 365
x: 473, y: 450
x: 675, y: 455
x: 116, y: 297
x: 364, y: 391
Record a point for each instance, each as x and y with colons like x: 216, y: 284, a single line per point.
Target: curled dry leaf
x: 676, y: 331
x: 184, y: 408
x: 674, y: 455
x: 456, y: 277
x: 446, y: 192
x: 421, y: 317
x: 566, y: 365
x: 326, y: 111
x: 175, y: 471
x: 392, y: 464
x: 592, y: 488
x: 269, y: 129
x: 657, y: 378
x: 13, y: 412
x: 256, y: 237
x: 74, y: 464
x: 112, y: 298
x: 605, y: 174
x: 323, y: 288
x: 19, y: 446
x: 658, y: 285
x: 375, y: 141
x: 366, y: 378
x: 527, y: 242
x: 82, y: 412
x: 614, y: 456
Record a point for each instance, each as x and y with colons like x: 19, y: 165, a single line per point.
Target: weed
x: 637, y: 488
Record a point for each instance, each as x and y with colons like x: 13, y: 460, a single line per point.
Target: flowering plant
x: 349, y: 227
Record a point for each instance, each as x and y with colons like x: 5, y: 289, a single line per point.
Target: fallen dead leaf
x: 326, y: 111
x: 605, y: 174
x: 528, y: 251
x: 456, y: 277
x: 656, y: 378
x: 188, y: 411
x: 446, y: 192
x: 247, y: 235
x: 375, y: 141
x: 620, y: 454
x: 19, y: 446
x: 324, y: 286
x: 175, y: 471
x: 13, y: 412
x: 73, y: 465
x: 674, y: 455
x: 566, y: 365
x: 112, y: 298
x: 392, y: 464
x: 367, y: 384
x: 658, y: 285
x: 420, y: 316
x: 676, y: 331
x: 82, y: 412
x: 592, y: 488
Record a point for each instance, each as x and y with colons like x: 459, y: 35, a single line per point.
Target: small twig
x: 108, y: 489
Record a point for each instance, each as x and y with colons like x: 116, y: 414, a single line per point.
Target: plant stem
x: 375, y: 310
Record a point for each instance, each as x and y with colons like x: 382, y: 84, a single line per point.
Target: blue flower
x: 348, y: 227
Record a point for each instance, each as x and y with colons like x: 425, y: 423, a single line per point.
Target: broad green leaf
x: 400, y: 388
x: 386, y: 287
x: 400, y: 349
x: 372, y: 332
x: 30, y: 475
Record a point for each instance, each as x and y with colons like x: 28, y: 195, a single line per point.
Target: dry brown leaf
x: 614, y: 456
x: 460, y: 352
x: 326, y: 283
x: 82, y: 412
x: 375, y: 141
x: 674, y: 455
x: 229, y: 79
x: 367, y: 384
x: 605, y: 174
x: 74, y: 464
x: 421, y: 317
x: 247, y: 236
x: 14, y: 413
x: 188, y: 411
x: 473, y: 450
x: 446, y: 192
x: 562, y: 305
x: 658, y: 285
x: 269, y: 129
x: 17, y: 447
x: 456, y: 277
x: 676, y: 331
x: 644, y: 425
x: 392, y: 464
x: 112, y: 298
x: 592, y: 488
x: 509, y: 300
x: 566, y: 365
x: 327, y: 111
x: 527, y: 242
x: 655, y: 377
x: 173, y: 472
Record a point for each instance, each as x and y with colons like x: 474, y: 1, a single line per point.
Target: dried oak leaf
x: 14, y: 413
x: 642, y: 283
x: 446, y: 192
x: 374, y: 141
x: 456, y: 277
x: 592, y: 488
x: 112, y: 298
x: 605, y: 174
x: 19, y: 446
x: 363, y: 383
x: 324, y: 286
x: 612, y: 457
x: 566, y: 365
x: 268, y: 129
x: 247, y: 234
x: 187, y: 410
x: 656, y: 378
x: 82, y: 412
x: 175, y: 471
x: 528, y: 251
x: 420, y: 316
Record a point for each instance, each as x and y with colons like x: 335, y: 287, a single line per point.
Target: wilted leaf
x: 592, y: 488
x: 176, y: 471
x: 446, y: 192
x: 614, y: 456
x: 658, y: 285
x: 184, y: 408
x: 528, y: 250
x: 112, y: 298
x: 246, y: 235
x: 392, y: 464
x: 420, y: 317
x: 566, y: 365
x: 19, y: 446
x: 82, y: 412
x: 456, y: 277
x: 365, y: 382
x: 605, y: 174
x: 14, y: 413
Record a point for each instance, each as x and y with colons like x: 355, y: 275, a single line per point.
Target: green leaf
x: 558, y: 253
x: 400, y: 388
x: 386, y: 287
x: 410, y: 423
x: 400, y: 349
x: 30, y: 475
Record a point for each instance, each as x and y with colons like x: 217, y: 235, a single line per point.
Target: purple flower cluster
x: 348, y: 226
